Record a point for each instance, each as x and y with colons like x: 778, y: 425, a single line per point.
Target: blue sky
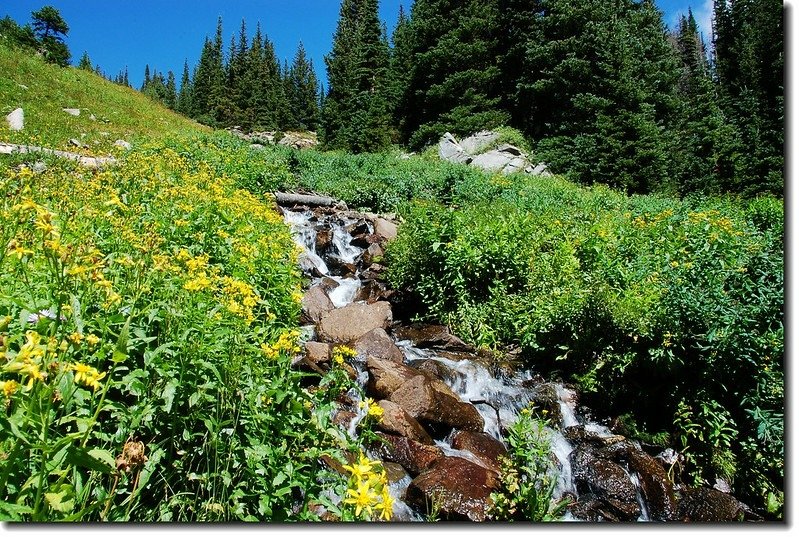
x: 164, y: 33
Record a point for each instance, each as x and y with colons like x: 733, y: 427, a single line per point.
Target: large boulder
x: 386, y: 377
x: 451, y: 151
x: 436, y: 406
x: 385, y: 230
x: 349, y: 323
x: 378, y: 344
x: 478, y: 142
x: 16, y: 120
x: 458, y: 488
x: 431, y: 336
x: 605, y: 481
x: 492, y: 161
x: 395, y: 420
x: 414, y: 456
x: 483, y: 446
x: 709, y: 505
x: 315, y: 303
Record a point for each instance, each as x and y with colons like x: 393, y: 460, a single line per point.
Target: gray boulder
x: 72, y: 111
x: 450, y: 150
x: 478, y: 142
x: 16, y: 120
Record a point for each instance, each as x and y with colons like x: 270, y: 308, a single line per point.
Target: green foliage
x: 528, y: 477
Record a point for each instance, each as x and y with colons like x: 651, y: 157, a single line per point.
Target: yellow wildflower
x: 386, y: 504
x: 75, y: 338
x: 363, y: 497
x: 9, y: 387
x: 92, y: 340
x: 87, y: 375
x: 361, y: 470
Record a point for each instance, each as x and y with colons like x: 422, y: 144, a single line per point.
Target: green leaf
x: 121, y: 349
x: 279, y: 479
x: 169, y: 394
x: 63, y: 500
x: 14, y: 512
x: 95, y: 459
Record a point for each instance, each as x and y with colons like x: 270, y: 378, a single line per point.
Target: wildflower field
x: 148, y: 319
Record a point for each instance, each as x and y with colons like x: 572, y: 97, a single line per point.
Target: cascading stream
x: 498, y: 399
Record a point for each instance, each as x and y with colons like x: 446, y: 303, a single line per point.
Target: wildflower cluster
x: 368, y: 493
x: 287, y: 344
x: 343, y: 353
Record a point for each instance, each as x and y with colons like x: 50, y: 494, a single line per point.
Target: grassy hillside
x: 43, y: 90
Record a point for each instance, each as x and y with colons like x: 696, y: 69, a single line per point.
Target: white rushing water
x: 499, y: 400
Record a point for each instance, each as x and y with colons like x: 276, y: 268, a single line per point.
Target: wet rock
x: 394, y: 472
x: 385, y: 230
x: 545, y: 397
x: 436, y: 406
x: 578, y: 434
x: 460, y: 489
x: 372, y: 291
x: 435, y: 369
x: 315, y: 303
x: 414, y: 456
x: 395, y: 420
x: 379, y: 344
x: 656, y: 487
x: 373, y: 272
x: 16, y: 120
x: 709, y: 505
x: 349, y: 323
x: 607, y: 480
x: 360, y: 227
x: 343, y: 418
x: 385, y: 377
x: 373, y: 252
x: 431, y: 336
x: 482, y: 445
x: 340, y: 267
x: 328, y: 284
x: 324, y: 240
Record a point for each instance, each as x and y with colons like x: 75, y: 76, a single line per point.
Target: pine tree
x: 171, y: 95
x: 50, y: 29
x: 304, y: 91
x: 184, y: 102
x: 455, y: 81
x: 85, y: 62
x: 147, y: 78
x: 400, y: 67
x: 356, y: 115
x: 599, y: 81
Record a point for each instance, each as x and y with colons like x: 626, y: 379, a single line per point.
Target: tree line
x: 44, y: 34
x: 605, y: 91
x: 245, y: 86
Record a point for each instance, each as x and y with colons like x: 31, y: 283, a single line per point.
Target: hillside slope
x: 43, y: 90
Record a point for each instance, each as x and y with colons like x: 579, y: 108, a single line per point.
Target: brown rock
x: 385, y: 229
x: 460, y: 489
x: 396, y: 420
x: 349, y: 323
x: 372, y: 254
x: 435, y: 405
x: 656, y: 487
x: 432, y: 336
x: 315, y: 303
x: 709, y: 505
x: 318, y: 353
x: 394, y: 472
x: 378, y: 344
x: 607, y: 481
x: 483, y: 446
x: 385, y: 377
x: 414, y: 456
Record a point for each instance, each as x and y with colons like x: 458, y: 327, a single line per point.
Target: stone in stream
x: 436, y: 406
x: 386, y: 376
x: 16, y: 120
x: 378, y: 344
x: 432, y: 336
x: 373, y: 252
x: 414, y: 456
x: 386, y: 231
x: 606, y: 482
x: 396, y: 421
x: 483, y: 446
x: 349, y: 323
x: 315, y: 303
x: 324, y: 240
x: 317, y: 353
x: 656, y: 487
x: 709, y: 505
x: 459, y: 488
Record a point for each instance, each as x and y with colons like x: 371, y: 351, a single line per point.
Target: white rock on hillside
x: 72, y: 111
x: 16, y: 120
x: 123, y: 144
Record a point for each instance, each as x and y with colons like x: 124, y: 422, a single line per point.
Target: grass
x: 43, y: 90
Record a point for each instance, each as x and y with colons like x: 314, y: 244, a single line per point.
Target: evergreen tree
x: 599, y: 81
x: 147, y: 78
x: 184, y: 104
x: 749, y: 60
x: 235, y: 78
x: 356, y: 115
x: 304, y: 91
x: 705, y: 143
x: 455, y: 81
x: 171, y: 94
x: 85, y: 62
x: 401, y: 65
x: 16, y: 35
x: 50, y: 29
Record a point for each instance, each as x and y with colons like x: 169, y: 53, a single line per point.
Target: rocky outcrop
x: 315, y: 303
x: 606, y: 482
x: 458, y: 488
x: 386, y: 377
x: 477, y: 150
